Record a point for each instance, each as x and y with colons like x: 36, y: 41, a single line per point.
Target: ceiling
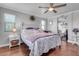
x: 32, y: 8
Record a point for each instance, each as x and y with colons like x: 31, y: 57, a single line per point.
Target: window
x: 43, y: 25
x: 9, y: 21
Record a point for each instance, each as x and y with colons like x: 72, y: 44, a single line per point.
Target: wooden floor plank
x: 67, y: 49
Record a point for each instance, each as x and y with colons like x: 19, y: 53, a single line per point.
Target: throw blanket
x: 36, y: 36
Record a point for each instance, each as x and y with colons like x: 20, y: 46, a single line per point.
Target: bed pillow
x: 32, y: 28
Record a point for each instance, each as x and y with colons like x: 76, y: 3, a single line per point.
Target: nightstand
x: 14, y: 40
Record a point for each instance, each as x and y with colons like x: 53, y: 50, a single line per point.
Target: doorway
x: 62, y: 28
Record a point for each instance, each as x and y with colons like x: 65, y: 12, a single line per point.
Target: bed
x: 39, y: 42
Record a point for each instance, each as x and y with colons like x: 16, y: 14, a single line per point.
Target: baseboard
x: 73, y: 42
x: 4, y: 45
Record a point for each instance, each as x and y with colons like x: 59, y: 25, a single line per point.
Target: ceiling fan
x: 52, y: 7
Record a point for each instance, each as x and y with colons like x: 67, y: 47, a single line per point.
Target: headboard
x: 29, y: 26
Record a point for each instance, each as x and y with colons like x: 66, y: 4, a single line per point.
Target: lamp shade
x: 51, y: 9
x: 14, y: 30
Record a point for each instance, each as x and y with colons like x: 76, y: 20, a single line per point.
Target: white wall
x: 73, y: 22
x: 52, y: 27
x: 20, y: 18
x: 76, y: 24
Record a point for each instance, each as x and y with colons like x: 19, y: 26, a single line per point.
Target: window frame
x: 43, y: 25
x: 5, y: 22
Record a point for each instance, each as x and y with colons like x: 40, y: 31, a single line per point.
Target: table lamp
x: 14, y: 29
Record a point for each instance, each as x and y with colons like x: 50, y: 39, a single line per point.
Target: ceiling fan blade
x: 54, y: 11
x: 59, y: 6
x: 46, y: 11
x: 42, y: 7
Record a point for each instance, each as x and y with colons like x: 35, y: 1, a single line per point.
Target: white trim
x: 77, y: 43
x: 4, y: 45
x: 73, y: 42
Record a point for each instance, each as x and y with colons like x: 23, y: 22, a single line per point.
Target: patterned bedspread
x: 40, y: 42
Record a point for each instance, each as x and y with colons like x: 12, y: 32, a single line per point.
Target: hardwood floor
x: 14, y: 51
x: 67, y: 49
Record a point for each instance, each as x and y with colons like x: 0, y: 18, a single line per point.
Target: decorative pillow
x: 47, y: 31
x: 30, y: 28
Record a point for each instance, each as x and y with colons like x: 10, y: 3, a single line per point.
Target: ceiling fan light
x: 51, y: 9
